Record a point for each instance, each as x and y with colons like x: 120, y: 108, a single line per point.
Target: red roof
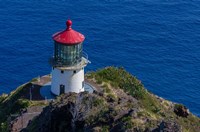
x: 68, y: 36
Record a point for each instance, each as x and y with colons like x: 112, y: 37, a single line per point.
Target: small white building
x: 68, y: 61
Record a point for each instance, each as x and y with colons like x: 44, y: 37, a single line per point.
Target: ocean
x: 158, y: 41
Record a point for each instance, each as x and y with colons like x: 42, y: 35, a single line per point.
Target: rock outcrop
x: 120, y: 103
x: 181, y: 110
x: 84, y: 111
x: 168, y: 126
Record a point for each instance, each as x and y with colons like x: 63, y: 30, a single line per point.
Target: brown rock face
x: 167, y: 126
x: 80, y: 112
x: 90, y: 112
x: 181, y: 110
x: 66, y: 114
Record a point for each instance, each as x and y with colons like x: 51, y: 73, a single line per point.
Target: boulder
x: 181, y: 110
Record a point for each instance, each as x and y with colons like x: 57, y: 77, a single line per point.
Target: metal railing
x: 85, y: 55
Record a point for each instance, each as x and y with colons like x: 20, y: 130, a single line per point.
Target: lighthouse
x: 68, y: 61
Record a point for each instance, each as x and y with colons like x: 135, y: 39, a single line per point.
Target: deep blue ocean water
x: 156, y: 40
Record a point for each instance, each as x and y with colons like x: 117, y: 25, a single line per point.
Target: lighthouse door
x: 62, y: 89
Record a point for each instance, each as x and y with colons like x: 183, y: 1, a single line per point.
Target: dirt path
x: 23, y: 119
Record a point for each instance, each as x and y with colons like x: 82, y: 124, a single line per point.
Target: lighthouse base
x: 64, y: 81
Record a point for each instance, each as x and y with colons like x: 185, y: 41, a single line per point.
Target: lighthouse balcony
x: 72, y: 64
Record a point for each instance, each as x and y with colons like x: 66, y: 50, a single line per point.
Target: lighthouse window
x: 83, y: 84
x: 62, y: 71
x: 68, y: 55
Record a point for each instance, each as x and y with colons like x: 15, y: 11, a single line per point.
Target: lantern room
x: 68, y: 47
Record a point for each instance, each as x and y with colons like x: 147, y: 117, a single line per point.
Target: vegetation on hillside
x: 120, y: 103
x: 119, y: 78
x: 151, y: 106
x: 13, y: 103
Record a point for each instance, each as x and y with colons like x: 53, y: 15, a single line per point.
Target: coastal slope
x: 119, y: 103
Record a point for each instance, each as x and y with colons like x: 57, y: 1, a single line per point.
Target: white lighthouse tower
x: 68, y: 61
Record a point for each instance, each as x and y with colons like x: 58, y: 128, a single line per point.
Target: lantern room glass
x: 67, y: 55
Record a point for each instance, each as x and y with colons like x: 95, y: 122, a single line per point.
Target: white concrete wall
x: 72, y: 81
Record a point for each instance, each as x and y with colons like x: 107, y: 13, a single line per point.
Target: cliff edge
x: 119, y: 103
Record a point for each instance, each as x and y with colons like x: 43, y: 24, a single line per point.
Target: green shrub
x: 105, y: 128
x: 127, y: 118
x: 90, y: 75
x: 118, y: 77
x: 177, y: 106
x: 1, y: 99
x: 112, y: 96
x: 107, y: 90
x: 162, y: 114
x: 4, y: 127
x: 156, y: 109
x: 19, y: 104
x: 98, y: 102
x: 99, y: 80
x: 34, y: 80
x: 128, y: 122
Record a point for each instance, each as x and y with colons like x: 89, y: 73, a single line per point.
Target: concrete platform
x: 45, y: 90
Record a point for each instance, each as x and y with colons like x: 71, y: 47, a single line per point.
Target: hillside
x: 119, y: 103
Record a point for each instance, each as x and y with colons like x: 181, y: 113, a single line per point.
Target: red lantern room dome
x: 68, y: 36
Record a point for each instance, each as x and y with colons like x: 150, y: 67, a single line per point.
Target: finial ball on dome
x: 69, y: 24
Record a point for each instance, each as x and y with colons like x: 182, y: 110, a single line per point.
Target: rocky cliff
x: 119, y: 103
